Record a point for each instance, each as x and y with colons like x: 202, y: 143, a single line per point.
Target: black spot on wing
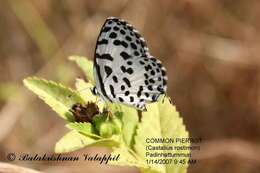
x: 139, y: 93
x: 163, y: 73
x: 127, y: 82
x: 127, y: 93
x: 117, y: 42
x: 108, y: 70
x: 123, y: 22
x: 133, y: 45
x: 129, y: 62
x: 115, y: 79
x: 103, y: 41
x: 115, y: 19
x: 130, y: 27
x: 152, y: 72
x: 122, y: 32
x: 160, y: 89
x: 136, y: 53
x: 105, y: 56
x: 123, y: 69
x: 115, y: 28
x: 112, y: 91
x: 164, y: 82
x: 143, y: 44
x: 112, y: 35
x: 137, y: 35
x: 126, y: 70
x: 122, y: 43
x: 150, y: 87
x: 106, y: 29
x: 128, y: 38
x: 125, y: 55
x: 155, y: 98
x: 148, y: 67
x: 151, y: 81
x: 121, y: 99
x: 153, y: 59
x: 154, y: 64
x: 141, y: 62
x: 130, y: 70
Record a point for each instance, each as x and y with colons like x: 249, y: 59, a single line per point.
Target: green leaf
x: 74, y: 140
x: 172, y: 126
x: 161, y: 121
x: 85, y: 65
x: 127, y: 158
x: 148, y: 128
x: 118, y: 128
x: 107, y: 126
x: 57, y: 96
x: 84, y: 128
x: 129, y: 120
x: 113, y: 141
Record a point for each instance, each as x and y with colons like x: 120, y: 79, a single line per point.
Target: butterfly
x: 124, y: 70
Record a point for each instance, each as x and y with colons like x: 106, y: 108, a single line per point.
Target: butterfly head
x: 94, y: 91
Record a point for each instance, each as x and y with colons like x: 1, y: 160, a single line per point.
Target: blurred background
x: 210, y: 48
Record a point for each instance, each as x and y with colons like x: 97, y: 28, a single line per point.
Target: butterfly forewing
x: 124, y: 70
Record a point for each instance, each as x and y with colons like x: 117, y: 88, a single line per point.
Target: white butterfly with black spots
x: 124, y: 70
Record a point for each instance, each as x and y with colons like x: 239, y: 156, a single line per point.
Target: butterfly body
x: 124, y: 70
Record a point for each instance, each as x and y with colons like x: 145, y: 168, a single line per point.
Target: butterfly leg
x: 139, y: 113
x: 108, y: 114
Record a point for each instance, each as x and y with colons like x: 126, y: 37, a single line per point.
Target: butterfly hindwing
x: 144, y: 85
x: 123, y: 68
